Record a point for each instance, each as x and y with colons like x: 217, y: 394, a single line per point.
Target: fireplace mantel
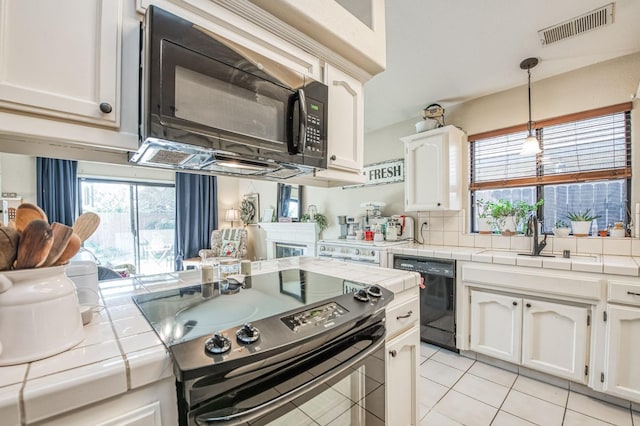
x: 296, y: 233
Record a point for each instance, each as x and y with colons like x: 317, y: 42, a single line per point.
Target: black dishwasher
x: 437, y: 297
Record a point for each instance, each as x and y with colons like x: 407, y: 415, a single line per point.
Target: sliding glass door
x: 137, y: 224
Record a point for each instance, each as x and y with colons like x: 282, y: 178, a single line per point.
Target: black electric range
x: 204, y: 326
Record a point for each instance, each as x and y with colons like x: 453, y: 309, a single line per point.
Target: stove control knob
x: 217, y: 344
x: 247, y: 334
x: 322, y: 248
x: 356, y: 252
x: 374, y: 291
x: 361, y: 295
x: 373, y: 253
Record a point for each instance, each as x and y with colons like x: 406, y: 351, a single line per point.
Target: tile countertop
x: 121, y: 352
x: 603, y: 264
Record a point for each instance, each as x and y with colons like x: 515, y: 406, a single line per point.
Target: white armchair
x: 229, y: 242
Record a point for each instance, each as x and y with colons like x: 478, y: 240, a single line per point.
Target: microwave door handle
x: 296, y: 146
x: 302, y: 105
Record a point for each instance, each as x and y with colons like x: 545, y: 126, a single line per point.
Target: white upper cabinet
x: 433, y: 169
x: 345, y: 139
x: 62, y: 59
x: 353, y: 29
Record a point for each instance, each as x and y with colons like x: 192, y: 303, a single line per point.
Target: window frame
x: 540, y: 179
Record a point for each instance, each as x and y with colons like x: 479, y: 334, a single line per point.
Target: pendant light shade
x: 531, y: 145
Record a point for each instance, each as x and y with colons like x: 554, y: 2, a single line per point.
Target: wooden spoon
x: 35, y: 243
x: 86, y: 225
x: 61, y: 235
x: 70, y: 250
x: 27, y: 212
x: 9, y: 239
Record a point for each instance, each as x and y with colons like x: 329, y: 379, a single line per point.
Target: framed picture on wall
x: 250, y: 208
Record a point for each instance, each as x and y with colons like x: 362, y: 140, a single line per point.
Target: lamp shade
x: 530, y: 146
x: 232, y: 215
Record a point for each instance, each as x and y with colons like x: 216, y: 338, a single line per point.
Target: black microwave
x: 212, y: 105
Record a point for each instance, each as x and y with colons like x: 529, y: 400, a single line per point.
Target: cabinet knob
x: 528, y: 305
x: 333, y: 157
x: 393, y: 353
x: 515, y: 303
x: 105, y: 107
x: 438, y: 204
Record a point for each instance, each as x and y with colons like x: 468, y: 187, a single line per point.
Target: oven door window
x: 343, y: 383
x: 222, y: 100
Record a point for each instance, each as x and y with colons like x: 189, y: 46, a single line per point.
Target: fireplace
x: 290, y: 239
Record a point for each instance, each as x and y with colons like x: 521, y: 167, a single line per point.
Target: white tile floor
x: 455, y: 390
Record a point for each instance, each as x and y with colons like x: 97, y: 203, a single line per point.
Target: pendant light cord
x: 529, y: 124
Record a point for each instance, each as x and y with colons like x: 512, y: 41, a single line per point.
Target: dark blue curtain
x: 196, y: 214
x: 57, y: 189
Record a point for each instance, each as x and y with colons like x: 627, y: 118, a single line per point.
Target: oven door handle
x: 253, y: 413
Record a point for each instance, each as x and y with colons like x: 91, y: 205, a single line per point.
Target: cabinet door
x: 61, y: 59
x: 622, y: 373
x: 496, y: 321
x: 555, y: 338
x: 345, y: 138
x: 402, y: 372
x: 424, y: 166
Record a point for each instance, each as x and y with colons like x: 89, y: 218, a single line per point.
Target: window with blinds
x: 585, y: 163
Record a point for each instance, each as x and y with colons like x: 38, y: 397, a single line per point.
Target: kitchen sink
x: 577, y: 257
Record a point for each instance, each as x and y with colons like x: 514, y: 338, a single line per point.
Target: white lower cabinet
x: 496, y: 321
x: 152, y: 405
x: 546, y: 336
x: 402, y: 359
x: 622, y: 369
x: 402, y: 367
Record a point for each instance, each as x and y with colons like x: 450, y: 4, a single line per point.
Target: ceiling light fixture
x: 531, y: 146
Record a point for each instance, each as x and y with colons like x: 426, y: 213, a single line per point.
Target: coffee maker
x: 352, y: 228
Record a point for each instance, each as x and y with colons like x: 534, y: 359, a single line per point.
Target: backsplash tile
x: 449, y: 228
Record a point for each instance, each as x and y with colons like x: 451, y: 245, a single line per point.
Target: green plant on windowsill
x: 318, y: 218
x: 580, y: 216
x: 561, y: 224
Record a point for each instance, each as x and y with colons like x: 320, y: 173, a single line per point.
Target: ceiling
x: 449, y: 52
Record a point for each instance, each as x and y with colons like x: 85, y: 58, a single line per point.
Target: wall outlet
x: 424, y: 226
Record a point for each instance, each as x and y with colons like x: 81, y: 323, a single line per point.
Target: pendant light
x: 531, y: 145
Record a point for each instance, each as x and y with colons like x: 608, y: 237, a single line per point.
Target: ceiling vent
x: 597, y: 18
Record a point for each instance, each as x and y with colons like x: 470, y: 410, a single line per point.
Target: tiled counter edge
x: 121, y: 352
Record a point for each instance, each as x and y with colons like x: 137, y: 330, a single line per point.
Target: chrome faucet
x: 532, y: 231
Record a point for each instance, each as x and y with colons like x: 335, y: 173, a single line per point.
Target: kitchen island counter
x: 121, y: 356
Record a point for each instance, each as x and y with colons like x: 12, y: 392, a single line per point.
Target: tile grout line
x: 125, y: 359
x: 505, y: 398
x: 22, y: 407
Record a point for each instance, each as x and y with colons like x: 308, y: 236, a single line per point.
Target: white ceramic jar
x: 39, y: 314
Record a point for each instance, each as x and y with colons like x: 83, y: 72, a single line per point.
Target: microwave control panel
x: 315, y: 137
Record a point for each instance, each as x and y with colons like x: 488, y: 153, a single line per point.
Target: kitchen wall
x: 607, y: 83
x: 598, y: 85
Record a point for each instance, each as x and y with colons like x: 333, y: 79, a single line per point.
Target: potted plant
x: 561, y: 228
x: 581, y: 222
x: 485, y: 220
x: 318, y: 218
x: 504, y: 214
x: 524, y: 210
x: 509, y: 216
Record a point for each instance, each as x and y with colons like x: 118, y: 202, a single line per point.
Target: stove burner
x: 217, y: 344
x: 374, y: 291
x: 361, y: 295
x: 247, y: 334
